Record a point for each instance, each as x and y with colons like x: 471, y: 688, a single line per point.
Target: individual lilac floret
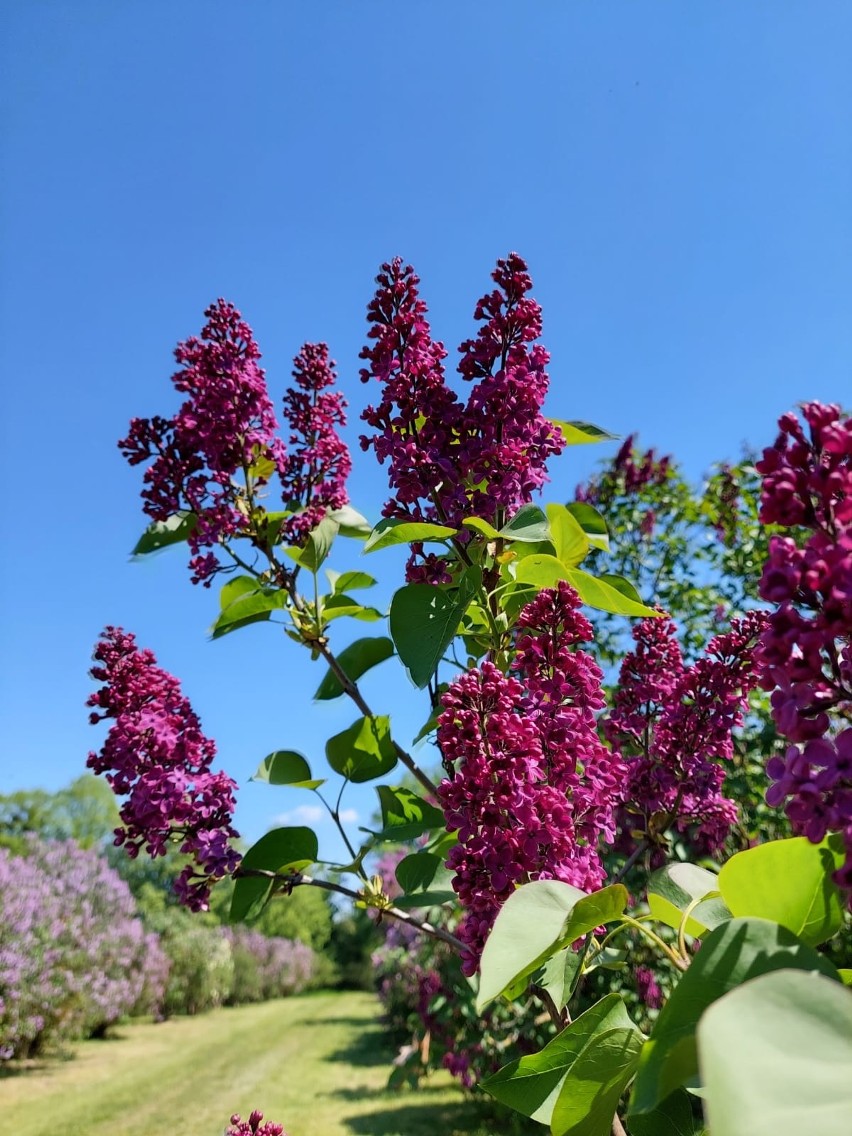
x: 530, y: 787
x: 675, y: 726
x: 226, y: 424
x: 156, y: 754
x: 805, y: 651
x: 319, y: 462
x: 254, y: 1126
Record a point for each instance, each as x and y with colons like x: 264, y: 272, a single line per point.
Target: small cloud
x: 303, y: 814
x: 314, y: 814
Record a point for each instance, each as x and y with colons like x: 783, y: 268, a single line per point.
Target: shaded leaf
x: 364, y: 751
x: 581, y: 433
x: 405, y: 816
x: 739, y: 950
x: 789, y: 1072
x: 591, y: 522
x: 287, y: 767
x: 529, y: 524
x: 283, y: 850
x: 675, y: 886
x: 591, y: 1091
x: 350, y: 522
x: 424, y: 620
x: 162, y: 534
x: 356, y: 660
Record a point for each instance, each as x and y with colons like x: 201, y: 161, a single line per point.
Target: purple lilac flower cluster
x: 319, y: 461
x: 629, y: 472
x: 531, y: 788
x: 226, y: 425
x: 448, y: 460
x: 73, y: 956
x: 254, y: 1126
x: 156, y: 754
x: 806, y: 650
x: 675, y: 724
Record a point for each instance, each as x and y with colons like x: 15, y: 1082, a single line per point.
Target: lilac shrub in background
x: 74, y: 957
x: 266, y: 967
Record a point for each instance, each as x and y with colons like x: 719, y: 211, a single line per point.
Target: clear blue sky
x: 679, y: 177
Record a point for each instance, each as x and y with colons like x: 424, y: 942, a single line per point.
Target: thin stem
x: 296, y: 879
x: 334, y: 813
x: 670, y: 953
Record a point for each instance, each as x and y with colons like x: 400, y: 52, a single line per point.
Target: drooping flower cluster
x: 448, y: 460
x: 531, y: 788
x: 156, y: 754
x: 318, y: 463
x: 675, y: 726
x: 74, y: 957
x: 806, y: 650
x: 254, y: 1126
x: 226, y: 425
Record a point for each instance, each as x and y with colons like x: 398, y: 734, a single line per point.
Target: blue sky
x: 678, y: 176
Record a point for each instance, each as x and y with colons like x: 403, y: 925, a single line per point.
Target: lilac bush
x: 75, y: 957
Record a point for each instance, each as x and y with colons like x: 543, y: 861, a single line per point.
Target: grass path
x: 317, y: 1064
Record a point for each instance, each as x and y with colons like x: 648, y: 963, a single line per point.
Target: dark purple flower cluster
x: 648, y: 988
x: 806, y: 650
x: 254, y: 1126
x: 226, y: 425
x: 156, y: 754
x: 531, y: 788
x: 73, y: 955
x: 629, y: 472
x: 319, y: 462
x: 449, y: 460
x: 675, y: 726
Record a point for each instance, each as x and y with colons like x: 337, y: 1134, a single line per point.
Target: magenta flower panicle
x: 805, y: 651
x: 157, y: 756
x: 530, y: 786
x: 319, y: 462
x: 225, y: 425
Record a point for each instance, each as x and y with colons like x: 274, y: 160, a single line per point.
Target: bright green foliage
x: 391, y: 531
x: 405, y: 816
x: 424, y: 620
x: 162, y: 534
x: 287, y: 767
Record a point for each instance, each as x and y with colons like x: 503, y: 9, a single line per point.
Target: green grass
x: 317, y: 1064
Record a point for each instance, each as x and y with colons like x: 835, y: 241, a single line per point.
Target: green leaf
x: 776, y: 1058
x: 559, y: 975
x: 788, y: 881
x: 350, y: 522
x: 604, y: 594
x: 425, y: 881
x: 356, y: 660
x: 592, y: 523
x: 318, y: 546
x: 534, y: 922
x: 392, y: 531
x: 608, y: 593
x: 244, y: 601
x: 480, y: 526
x: 529, y: 525
x: 283, y: 850
x: 364, y: 751
x: 348, y: 581
x: 674, y: 887
x: 424, y: 620
x: 591, y: 1091
x: 845, y: 976
x: 405, y: 816
x: 287, y: 767
x: 673, y: 1117
x: 569, y: 539
x: 161, y: 534
x: 531, y: 1085
x: 581, y: 433
x: 335, y: 607
x: 739, y: 950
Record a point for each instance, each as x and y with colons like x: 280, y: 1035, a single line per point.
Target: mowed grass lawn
x: 318, y: 1064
